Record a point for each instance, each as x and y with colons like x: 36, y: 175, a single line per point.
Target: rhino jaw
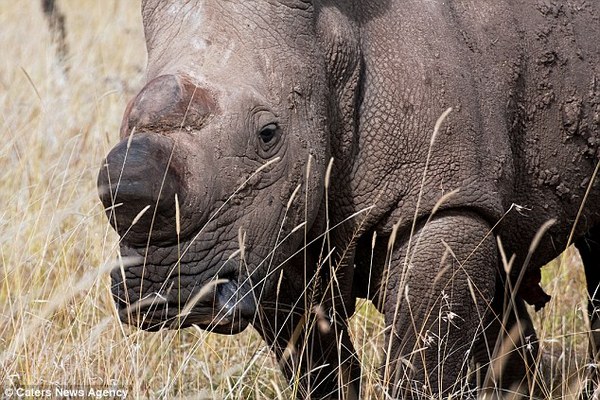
x: 220, y: 308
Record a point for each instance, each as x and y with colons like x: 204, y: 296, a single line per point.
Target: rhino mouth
x: 219, y: 306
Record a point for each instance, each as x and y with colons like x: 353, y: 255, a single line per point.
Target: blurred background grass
x: 57, y: 320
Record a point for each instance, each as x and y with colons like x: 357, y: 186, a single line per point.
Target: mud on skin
x: 218, y: 183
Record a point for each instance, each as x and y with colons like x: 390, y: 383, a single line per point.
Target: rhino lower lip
x: 219, y: 310
x: 204, y: 321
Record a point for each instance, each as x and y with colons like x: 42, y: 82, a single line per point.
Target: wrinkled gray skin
x: 240, y: 95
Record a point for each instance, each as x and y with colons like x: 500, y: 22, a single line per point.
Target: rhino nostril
x: 231, y: 299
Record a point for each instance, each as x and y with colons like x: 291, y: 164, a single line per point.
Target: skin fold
x: 279, y: 163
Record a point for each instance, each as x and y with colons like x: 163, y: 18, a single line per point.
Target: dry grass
x: 57, y: 320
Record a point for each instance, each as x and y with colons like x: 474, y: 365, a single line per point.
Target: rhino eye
x: 269, y: 133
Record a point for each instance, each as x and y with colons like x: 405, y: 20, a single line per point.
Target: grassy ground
x: 57, y: 321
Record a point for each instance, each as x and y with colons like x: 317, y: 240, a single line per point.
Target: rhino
x: 288, y: 157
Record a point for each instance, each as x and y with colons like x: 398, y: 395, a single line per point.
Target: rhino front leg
x: 505, y: 356
x: 438, y: 290
x: 314, y: 352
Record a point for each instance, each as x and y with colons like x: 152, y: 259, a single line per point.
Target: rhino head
x: 210, y: 182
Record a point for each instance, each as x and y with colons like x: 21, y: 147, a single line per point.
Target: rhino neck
x: 338, y: 32
x: 339, y: 40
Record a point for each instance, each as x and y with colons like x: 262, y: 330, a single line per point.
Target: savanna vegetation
x: 60, y: 111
